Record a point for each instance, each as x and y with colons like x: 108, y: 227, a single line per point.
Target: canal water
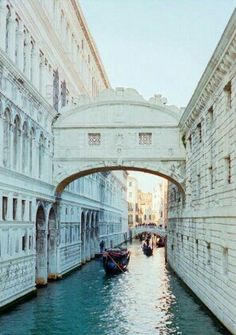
x: 148, y: 299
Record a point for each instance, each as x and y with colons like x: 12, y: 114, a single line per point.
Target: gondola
x: 116, y: 260
x: 161, y: 243
x: 147, y: 250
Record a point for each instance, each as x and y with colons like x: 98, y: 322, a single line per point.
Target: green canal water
x: 148, y: 299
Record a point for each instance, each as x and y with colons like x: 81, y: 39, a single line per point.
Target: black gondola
x: 116, y: 260
x: 147, y: 250
x: 161, y: 243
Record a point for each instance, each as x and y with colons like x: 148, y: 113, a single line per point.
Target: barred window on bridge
x: 94, y: 138
x: 145, y: 138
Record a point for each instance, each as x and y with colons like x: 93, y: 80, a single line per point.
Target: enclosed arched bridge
x: 160, y: 231
x: 118, y: 130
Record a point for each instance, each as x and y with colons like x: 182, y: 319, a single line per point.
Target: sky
x: 157, y: 46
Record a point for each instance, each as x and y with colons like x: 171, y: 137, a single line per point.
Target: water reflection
x: 146, y: 300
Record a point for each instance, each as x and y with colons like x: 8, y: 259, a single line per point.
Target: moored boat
x: 116, y: 260
x: 161, y: 243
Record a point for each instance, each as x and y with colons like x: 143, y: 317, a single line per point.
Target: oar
x: 116, y: 263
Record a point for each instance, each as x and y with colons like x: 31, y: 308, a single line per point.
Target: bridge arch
x: 73, y: 175
x: 157, y: 230
x: 118, y: 130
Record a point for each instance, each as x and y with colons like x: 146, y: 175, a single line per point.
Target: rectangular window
x: 22, y: 210
x: 211, y: 182
x: 198, y: 184
x: 228, y: 169
x: 145, y: 138
x: 228, y: 93
x: 94, y: 138
x: 199, y: 127
x: 30, y: 242
x: 14, y: 208
x: 24, y: 243
x: 4, y: 208
x: 210, y: 117
x: 197, y: 248
x: 30, y: 211
x: 225, y: 261
x: 208, y: 253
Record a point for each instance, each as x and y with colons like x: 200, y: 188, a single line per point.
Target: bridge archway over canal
x: 150, y: 230
x: 118, y: 130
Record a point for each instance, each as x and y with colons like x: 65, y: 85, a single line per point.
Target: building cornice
x: 90, y: 42
x: 219, y: 65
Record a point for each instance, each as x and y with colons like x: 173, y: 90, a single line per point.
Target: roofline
x: 91, y: 42
x: 226, y: 37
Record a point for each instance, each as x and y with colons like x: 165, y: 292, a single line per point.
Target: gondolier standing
x: 102, y: 245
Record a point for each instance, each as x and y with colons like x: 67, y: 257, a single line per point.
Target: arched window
x: 41, y: 64
x: 24, y: 52
x: 31, y: 148
x: 41, y: 154
x: 17, y: 41
x: 63, y: 93
x: 8, y: 18
x: 31, y: 59
x: 16, y: 141
x: 6, y: 138
x: 25, y: 147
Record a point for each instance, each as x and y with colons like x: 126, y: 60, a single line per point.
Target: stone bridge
x: 162, y: 232
x: 118, y: 130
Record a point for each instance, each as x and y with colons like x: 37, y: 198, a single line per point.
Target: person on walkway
x: 102, y: 245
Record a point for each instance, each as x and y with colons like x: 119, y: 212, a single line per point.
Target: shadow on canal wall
x: 195, y: 298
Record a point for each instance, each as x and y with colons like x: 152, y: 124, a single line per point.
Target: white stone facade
x: 56, y: 126
x: 202, y: 230
x: 47, y: 60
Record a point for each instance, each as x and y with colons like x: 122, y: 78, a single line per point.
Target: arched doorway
x: 88, y: 237
x: 52, y: 245
x: 41, y: 248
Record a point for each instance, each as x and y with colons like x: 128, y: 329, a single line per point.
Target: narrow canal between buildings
x: 148, y: 299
